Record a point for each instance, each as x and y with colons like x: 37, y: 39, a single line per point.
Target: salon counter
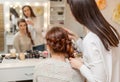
x: 16, y: 70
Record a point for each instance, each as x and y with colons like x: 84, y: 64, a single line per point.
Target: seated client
x: 57, y: 68
x: 22, y: 39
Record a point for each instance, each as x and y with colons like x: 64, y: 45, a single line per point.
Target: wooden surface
x: 1, y: 28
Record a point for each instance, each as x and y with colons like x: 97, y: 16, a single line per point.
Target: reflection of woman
x: 22, y: 39
x: 99, y: 45
x: 13, y: 19
x: 57, y: 67
x: 35, y: 24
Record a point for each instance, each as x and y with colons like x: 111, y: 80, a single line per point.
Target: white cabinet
x: 9, y: 42
x: 17, y: 70
x: 16, y: 74
x: 9, y: 39
x: 57, y: 11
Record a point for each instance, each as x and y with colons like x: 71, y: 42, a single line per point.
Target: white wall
x: 72, y: 24
x: 108, y: 12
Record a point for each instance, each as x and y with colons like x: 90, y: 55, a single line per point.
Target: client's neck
x: 60, y: 57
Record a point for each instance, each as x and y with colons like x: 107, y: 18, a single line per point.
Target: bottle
x: 22, y: 56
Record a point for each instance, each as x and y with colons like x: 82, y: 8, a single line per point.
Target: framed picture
x: 101, y: 4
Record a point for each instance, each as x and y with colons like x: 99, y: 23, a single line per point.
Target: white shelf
x: 57, y: 5
x: 57, y: 12
x: 9, y: 39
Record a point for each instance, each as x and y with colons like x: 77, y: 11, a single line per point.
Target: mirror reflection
x: 29, y: 13
x: 27, y: 26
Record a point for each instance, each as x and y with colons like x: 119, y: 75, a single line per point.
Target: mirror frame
x: 45, y: 3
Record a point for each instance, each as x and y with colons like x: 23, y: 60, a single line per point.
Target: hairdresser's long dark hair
x: 87, y: 13
x: 31, y: 11
x: 59, y: 42
x: 28, y: 33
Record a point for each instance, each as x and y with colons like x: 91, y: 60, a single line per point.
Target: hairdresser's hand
x: 76, y: 62
x: 30, y: 22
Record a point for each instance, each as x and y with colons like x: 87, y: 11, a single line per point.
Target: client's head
x: 59, y: 42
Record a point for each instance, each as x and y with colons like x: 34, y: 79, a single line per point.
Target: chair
x: 42, y: 78
x: 39, y: 47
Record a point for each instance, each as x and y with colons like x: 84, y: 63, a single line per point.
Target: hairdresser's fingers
x: 75, y: 63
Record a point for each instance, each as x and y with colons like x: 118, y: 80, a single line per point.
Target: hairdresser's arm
x: 93, y: 68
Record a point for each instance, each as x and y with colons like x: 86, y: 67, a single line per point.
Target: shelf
x: 57, y: 5
x: 57, y: 22
x: 57, y: 11
x: 57, y: 18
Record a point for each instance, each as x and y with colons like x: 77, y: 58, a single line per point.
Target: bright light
x: 45, y: 15
x: 27, y: 3
x: 45, y: 4
x: 45, y: 26
x: 20, y: 11
x: 36, y: 4
x: 20, y: 16
x: 7, y: 25
x: 11, y: 5
x: 7, y: 15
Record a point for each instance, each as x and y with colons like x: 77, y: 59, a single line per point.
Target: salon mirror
x: 8, y: 21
